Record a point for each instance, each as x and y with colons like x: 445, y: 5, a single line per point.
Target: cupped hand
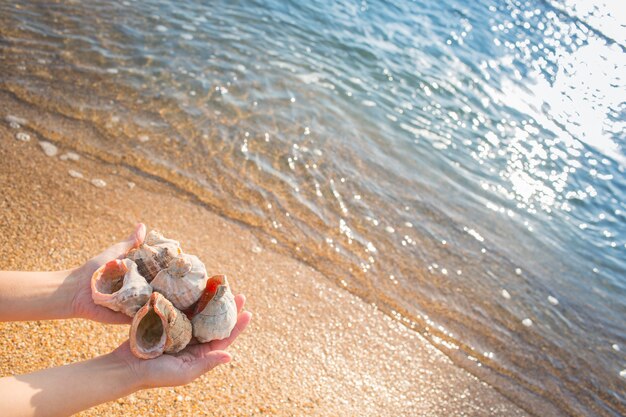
x: 82, y: 303
x: 187, y: 365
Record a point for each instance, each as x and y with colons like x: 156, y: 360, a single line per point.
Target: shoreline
x: 298, y: 355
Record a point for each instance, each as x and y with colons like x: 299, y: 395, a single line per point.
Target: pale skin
x: 68, y: 389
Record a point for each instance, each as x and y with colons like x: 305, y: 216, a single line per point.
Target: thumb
x: 132, y: 241
x: 121, y: 248
x: 137, y: 237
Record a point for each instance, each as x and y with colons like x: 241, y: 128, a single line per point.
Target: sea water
x: 458, y: 164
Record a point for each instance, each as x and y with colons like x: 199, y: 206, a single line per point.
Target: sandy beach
x: 423, y: 202
x: 312, y: 348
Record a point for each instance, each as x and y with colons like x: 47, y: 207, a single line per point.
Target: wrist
x: 128, y: 375
x: 135, y: 369
x: 68, y: 288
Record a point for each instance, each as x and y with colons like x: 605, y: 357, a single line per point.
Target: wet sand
x: 311, y: 349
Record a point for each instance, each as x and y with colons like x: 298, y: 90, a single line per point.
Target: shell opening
x: 150, y: 332
x: 112, y: 277
x: 212, y: 286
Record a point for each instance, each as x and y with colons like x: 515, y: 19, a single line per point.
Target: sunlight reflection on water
x: 459, y: 164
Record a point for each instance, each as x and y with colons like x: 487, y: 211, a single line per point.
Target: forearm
x: 36, y: 295
x: 68, y: 389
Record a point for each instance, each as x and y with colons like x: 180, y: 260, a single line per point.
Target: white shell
x: 218, y: 318
x: 182, y: 282
x: 119, y: 286
x: 155, y: 238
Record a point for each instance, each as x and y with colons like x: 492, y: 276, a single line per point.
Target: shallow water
x: 459, y: 165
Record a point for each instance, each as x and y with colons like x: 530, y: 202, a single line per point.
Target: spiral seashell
x: 216, y: 311
x: 157, y: 328
x: 154, y: 254
x: 119, y: 286
x: 155, y: 238
x: 183, y: 281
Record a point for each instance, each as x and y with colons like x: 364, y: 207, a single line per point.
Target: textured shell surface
x: 147, y: 259
x: 155, y: 254
x: 183, y: 281
x: 216, y: 320
x: 157, y: 328
x: 119, y: 286
x: 155, y: 238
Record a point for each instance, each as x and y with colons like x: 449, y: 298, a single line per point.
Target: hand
x: 187, y: 365
x: 82, y: 303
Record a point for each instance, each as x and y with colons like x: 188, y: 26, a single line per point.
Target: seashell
x: 148, y: 260
x: 183, y: 281
x: 48, y: 148
x: 155, y: 238
x: 119, y: 286
x: 216, y: 311
x: 71, y: 156
x: 15, y: 119
x: 154, y: 254
x: 23, y: 136
x: 98, y: 183
x: 157, y: 328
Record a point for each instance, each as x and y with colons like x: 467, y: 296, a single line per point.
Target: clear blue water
x: 460, y: 164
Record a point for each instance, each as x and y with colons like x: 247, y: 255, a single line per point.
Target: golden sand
x: 311, y: 349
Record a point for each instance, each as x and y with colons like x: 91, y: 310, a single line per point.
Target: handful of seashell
x: 169, y: 295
